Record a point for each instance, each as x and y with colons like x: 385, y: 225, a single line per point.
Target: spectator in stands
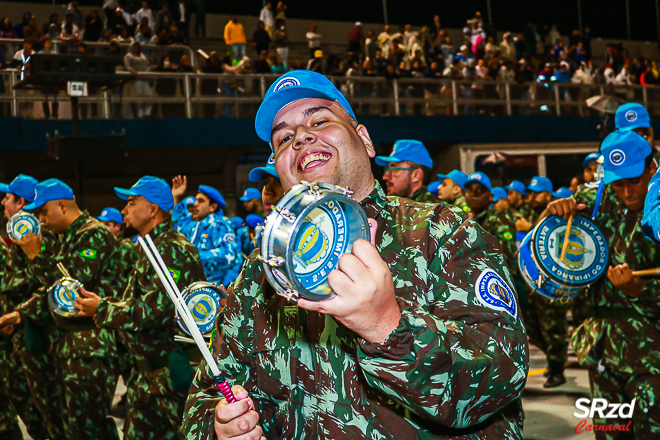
x: 47, y: 47
x: 435, y: 27
x: 235, y: 38
x: 209, y: 87
x: 174, y: 36
x: 144, y: 35
x: 183, y: 19
x: 507, y: 48
x: 317, y: 64
x: 69, y: 25
x: 279, y: 67
x: 582, y: 76
x: 268, y: 18
x: 117, y: 22
x: 261, y: 38
x: 81, y: 49
x: 586, y: 41
x: 648, y: 77
x: 145, y: 12
x: 32, y: 31
x: 355, y: 38
x: 261, y: 65
x: 554, y: 35
x: 18, y: 29
x: 164, y: 18
x: 384, y: 41
x: 280, y: 12
x: 166, y: 87
x: 125, y: 37
x: 53, y: 32
x: 136, y: 63
x: 281, y: 41
x: 93, y: 26
x: 77, y: 13
x: 313, y: 40
x: 200, y: 18
x: 370, y: 45
x: 531, y: 38
x: 106, y: 36
x: 69, y: 32
x: 54, y: 18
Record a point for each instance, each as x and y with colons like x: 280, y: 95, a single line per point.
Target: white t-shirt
x: 182, y: 11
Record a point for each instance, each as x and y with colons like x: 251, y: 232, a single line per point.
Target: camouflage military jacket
x: 630, y: 345
x: 527, y: 212
x: 90, y: 253
x: 503, y: 227
x: 128, y: 250
x: 145, y: 315
x: 452, y: 369
x: 423, y: 195
x: 460, y: 203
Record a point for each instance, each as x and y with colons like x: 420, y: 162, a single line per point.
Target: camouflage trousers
x: 547, y: 328
x: 87, y: 387
x: 8, y: 420
x: 18, y: 396
x: 617, y: 387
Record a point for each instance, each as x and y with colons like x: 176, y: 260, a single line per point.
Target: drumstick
x: 62, y: 269
x: 646, y: 272
x: 566, y: 239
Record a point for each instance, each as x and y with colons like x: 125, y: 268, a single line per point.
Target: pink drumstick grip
x: 226, y: 391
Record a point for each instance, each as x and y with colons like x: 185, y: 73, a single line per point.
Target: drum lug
x: 272, y: 262
x: 314, y: 189
x: 288, y: 215
x: 345, y: 191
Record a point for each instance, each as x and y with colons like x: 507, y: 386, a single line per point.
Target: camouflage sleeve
x: 180, y: 215
x: 460, y: 352
x: 233, y: 350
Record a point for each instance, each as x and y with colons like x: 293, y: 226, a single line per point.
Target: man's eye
x: 285, y: 139
x: 317, y: 124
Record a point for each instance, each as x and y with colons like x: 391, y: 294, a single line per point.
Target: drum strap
x: 614, y: 313
x: 157, y: 362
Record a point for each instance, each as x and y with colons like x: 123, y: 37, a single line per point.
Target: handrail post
x: 557, y: 105
x: 454, y: 96
x: 395, y: 90
x: 14, y: 99
x: 186, y: 89
x: 262, y: 85
x: 507, y: 89
x: 107, y: 108
x: 645, y: 96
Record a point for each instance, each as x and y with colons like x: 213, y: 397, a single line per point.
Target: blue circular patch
x: 204, y: 304
x: 286, y: 82
x: 631, y: 115
x: 617, y: 157
x: 495, y: 293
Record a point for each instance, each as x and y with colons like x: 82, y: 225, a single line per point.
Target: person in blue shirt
x: 209, y: 230
x: 246, y: 235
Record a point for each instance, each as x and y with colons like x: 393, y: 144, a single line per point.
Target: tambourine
x: 540, y: 257
x: 62, y: 295
x: 205, y: 301
x: 21, y: 224
x: 305, y: 234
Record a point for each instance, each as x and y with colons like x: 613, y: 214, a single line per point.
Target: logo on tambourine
x: 205, y: 303
x: 22, y: 224
x: 313, y: 244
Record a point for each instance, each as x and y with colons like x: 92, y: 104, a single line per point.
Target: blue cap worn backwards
x: 498, y: 193
x: 236, y: 222
x: 480, y: 178
x: 21, y: 186
x: 257, y: 174
x: 458, y: 176
x: 630, y: 116
x: 624, y: 154
x: 591, y: 157
x: 562, y: 193
x: 410, y: 150
x: 433, y: 187
x: 111, y: 215
x: 47, y: 191
x: 213, y: 194
x: 540, y: 184
x: 253, y: 220
x: 516, y: 185
x: 153, y: 189
x: 290, y: 87
x: 249, y: 194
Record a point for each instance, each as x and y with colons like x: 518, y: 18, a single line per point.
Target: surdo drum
x: 205, y: 301
x: 541, y: 266
x: 21, y: 224
x: 62, y: 295
x: 308, y: 230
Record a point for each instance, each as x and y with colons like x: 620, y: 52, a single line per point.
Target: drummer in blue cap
x: 408, y: 171
x: 111, y: 217
x: 209, y: 230
x: 245, y: 234
x: 622, y: 317
x: 452, y: 189
x: 252, y: 203
x: 634, y: 117
x: 516, y: 192
x: 540, y: 188
x: 272, y: 191
x: 18, y: 193
x: 500, y: 200
x: 562, y: 193
x: 590, y: 166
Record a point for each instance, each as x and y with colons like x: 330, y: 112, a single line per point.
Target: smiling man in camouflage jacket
x: 423, y: 340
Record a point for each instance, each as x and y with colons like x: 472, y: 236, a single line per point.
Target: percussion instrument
x: 205, y: 302
x: 62, y: 295
x: 21, y: 224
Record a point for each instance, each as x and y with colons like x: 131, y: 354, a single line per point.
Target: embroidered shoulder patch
x: 495, y: 293
x: 508, y: 236
x: 88, y: 253
x: 175, y: 274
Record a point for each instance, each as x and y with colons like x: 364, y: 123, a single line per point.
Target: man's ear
x: 417, y: 175
x: 653, y: 168
x: 63, y: 206
x: 213, y: 207
x: 153, y: 210
x: 366, y: 140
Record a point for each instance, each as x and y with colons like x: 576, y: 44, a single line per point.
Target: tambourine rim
x: 190, y: 289
x: 61, y: 281
x: 15, y: 218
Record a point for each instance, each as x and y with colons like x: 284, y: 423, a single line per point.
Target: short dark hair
x: 427, y: 173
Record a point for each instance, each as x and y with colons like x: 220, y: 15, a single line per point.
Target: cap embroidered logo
x: 286, y: 82
x: 477, y: 177
x: 104, y: 213
x: 271, y: 160
x: 631, y: 115
x: 617, y: 157
x: 534, y: 182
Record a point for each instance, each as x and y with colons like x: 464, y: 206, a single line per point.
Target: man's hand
x: 86, y: 303
x: 31, y: 245
x: 9, y: 321
x: 563, y: 208
x: 365, y: 301
x: 179, y: 186
x: 622, y: 278
x: 238, y: 419
x: 522, y: 225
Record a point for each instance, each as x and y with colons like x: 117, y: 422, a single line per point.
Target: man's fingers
x: 340, y: 283
x: 581, y: 206
x: 226, y: 412
x: 352, y: 267
x: 256, y: 433
x: 87, y: 294
x: 367, y: 253
x: 243, y: 425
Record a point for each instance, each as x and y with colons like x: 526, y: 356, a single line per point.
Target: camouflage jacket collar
x: 161, y: 228
x: 73, y: 229
x: 479, y: 218
x: 375, y: 202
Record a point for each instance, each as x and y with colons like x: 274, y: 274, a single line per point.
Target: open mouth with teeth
x: 312, y: 160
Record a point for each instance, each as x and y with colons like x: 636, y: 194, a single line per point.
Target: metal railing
x: 192, y: 95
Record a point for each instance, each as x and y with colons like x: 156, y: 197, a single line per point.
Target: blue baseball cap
x: 111, y: 215
x: 21, y: 186
x: 624, y: 153
x: 257, y: 174
x: 540, y: 184
x: 253, y: 220
x: 213, y: 194
x: 410, y: 150
x: 516, y: 185
x: 48, y: 190
x: 630, y: 116
x: 562, y: 193
x: 480, y: 178
x: 591, y: 157
x: 249, y: 194
x: 190, y: 200
x: 153, y: 189
x: 236, y: 222
x: 290, y: 87
x: 458, y: 176
x: 433, y: 188
x: 498, y: 193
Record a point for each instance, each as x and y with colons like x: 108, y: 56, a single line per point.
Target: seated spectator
x: 53, y: 32
x: 145, y: 13
x: 54, y: 18
x: 20, y: 27
x: 69, y: 32
x: 47, y: 46
x: 124, y: 37
x: 164, y: 18
x: 317, y: 64
x: 261, y: 65
x: 93, y: 26
x: 144, y: 35
x: 175, y: 36
x: 6, y: 29
x: 117, y: 22
x: 279, y: 67
x: 32, y: 31
x: 105, y: 36
x: 261, y: 38
x: 69, y: 25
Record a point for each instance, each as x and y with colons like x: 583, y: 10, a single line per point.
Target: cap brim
x: 382, y: 161
x: 103, y: 219
x: 4, y: 188
x: 257, y: 174
x: 634, y: 126
x: 33, y: 206
x: 263, y: 123
x: 630, y: 172
x: 245, y: 198
x: 442, y: 177
x: 468, y: 182
x: 124, y: 194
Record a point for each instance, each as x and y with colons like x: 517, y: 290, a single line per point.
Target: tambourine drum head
x: 62, y: 296
x: 22, y: 224
x: 205, y: 302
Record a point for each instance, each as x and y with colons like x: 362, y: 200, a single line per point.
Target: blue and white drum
x: 21, y: 224
x: 62, y: 295
x: 540, y: 262
x: 205, y: 301
x: 308, y: 230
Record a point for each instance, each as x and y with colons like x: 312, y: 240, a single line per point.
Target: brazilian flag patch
x: 88, y: 253
x: 175, y: 274
x: 508, y: 236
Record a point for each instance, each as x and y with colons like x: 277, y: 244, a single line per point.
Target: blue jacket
x: 243, y: 238
x: 215, y: 239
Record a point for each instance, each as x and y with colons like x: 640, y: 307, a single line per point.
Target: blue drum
x: 205, y: 301
x: 308, y: 230
x: 540, y: 262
